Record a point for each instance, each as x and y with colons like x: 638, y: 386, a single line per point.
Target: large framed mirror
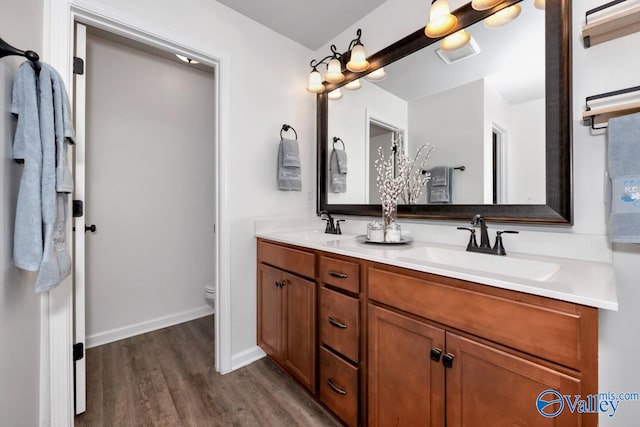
x: 499, y: 120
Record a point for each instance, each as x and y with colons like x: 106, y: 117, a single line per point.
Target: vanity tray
x: 403, y: 240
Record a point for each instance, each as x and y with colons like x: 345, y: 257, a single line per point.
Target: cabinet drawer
x: 339, y: 387
x: 342, y: 274
x: 550, y: 333
x: 339, y: 325
x: 289, y: 259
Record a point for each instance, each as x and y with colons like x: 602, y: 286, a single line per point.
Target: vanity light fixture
x: 187, y: 60
x: 376, y: 75
x: 484, y: 4
x: 441, y: 21
x: 539, y: 4
x: 503, y: 16
x: 353, y: 85
x: 335, y: 94
x: 335, y: 63
x: 456, y: 40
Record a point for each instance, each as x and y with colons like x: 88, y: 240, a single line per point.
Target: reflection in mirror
x: 481, y: 106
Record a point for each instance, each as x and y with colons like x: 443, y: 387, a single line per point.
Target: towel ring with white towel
x: 338, y: 167
x: 289, y: 172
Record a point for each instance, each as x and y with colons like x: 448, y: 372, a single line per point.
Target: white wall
x: 452, y: 121
x: 601, y: 68
x: 349, y: 121
x: 149, y: 190
x: 21, y: 25
x: 526, y: 153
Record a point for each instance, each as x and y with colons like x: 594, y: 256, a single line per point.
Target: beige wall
x: 150, y: 190
x: 21, y: 26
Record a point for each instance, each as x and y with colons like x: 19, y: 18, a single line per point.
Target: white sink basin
x: 313, y: 236
x: 503, y: 265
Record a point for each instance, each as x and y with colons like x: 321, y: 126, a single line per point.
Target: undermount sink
x: 313, y: 236
x: 503, y: 265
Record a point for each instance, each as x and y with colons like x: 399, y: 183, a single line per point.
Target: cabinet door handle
x: 281, y: 284
x: 435, y: 354
x: 277, y: 284
x: 336, y: 323
x: 335, y: 388
x: 337, y: 274
x: 447, y: 360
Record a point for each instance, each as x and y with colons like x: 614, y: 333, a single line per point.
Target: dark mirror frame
x: 559, y: 185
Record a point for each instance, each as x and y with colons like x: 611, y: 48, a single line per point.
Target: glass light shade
x: 315, y: 83
x: 354, y: 85
x: 539, y: 4
x: 358, y: 61
x: 484, y: 4
x: 455, y: 40
x: 187, y: 60
x: 377, y: 75
x: 335, y: 94
x: 334, y: 72
x: 503, y: 17
x: 441, y: 21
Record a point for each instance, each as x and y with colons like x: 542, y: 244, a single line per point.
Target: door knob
x: 447, y: 360
x: 91, y: 228
x: 435, y: 354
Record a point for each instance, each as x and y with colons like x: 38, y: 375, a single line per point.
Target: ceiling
x: 310, y: 23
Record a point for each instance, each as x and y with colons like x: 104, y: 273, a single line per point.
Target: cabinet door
x: 406, y: 387
x: 270, y: 311
x: 487, y: 386
x: 300, y: 329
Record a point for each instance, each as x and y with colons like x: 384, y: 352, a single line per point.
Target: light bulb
x: 455, y: 40
x: 354, y: 85
x: 335, y: 94
x: 315, y: 82
x: 376, y: 75
x: 484, y: 4
x: 539, y: 4
x: 503, y: 16
x: 334, y: 71
x: 358, y: 61
x: 441, y: 21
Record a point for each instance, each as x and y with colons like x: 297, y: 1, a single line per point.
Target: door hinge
x: 77, y: 208
x: 78, y: 65
x: 78, y: 351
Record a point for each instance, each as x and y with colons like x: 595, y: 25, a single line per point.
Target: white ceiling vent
x: 468, y: 50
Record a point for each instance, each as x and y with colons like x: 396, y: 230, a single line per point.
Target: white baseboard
x: 246, y: 357
x: 146, y: 326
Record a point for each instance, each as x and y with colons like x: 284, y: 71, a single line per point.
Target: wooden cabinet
x: 406, y: 348
x: 406, y: 387
x: 493, y: 351
x: 286, y: 312
x: 339, y: 331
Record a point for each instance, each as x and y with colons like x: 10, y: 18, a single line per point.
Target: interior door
x: 79, y: 227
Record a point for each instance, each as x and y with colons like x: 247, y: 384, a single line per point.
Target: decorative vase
x: 389, y: 216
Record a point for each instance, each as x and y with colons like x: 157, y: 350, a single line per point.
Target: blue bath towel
x: 27, y: 244
x: 40, y: 227
x: 624, y: 171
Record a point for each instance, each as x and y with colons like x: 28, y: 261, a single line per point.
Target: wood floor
x: 167, y: 378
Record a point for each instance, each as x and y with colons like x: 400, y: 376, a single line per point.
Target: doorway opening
x: 147, y: 175
x: 379, y: 134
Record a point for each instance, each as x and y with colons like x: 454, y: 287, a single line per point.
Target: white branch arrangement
x: 406, y: 180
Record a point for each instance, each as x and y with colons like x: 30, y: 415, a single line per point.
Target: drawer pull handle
x: 338, y: 275
x: 334, y: 388
x: 336, y: 323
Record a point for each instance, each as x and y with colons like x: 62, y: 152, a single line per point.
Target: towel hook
x: 336, y: 139
x: 286, y: 128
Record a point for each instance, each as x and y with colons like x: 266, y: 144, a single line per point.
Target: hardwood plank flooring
x: 167, y: 378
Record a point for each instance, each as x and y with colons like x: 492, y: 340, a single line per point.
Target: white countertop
x: 582, y: 282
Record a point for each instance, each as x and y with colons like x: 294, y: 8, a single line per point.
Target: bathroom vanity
x: 403, y: 336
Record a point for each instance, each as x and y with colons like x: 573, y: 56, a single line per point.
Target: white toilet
x: 210, y: 296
